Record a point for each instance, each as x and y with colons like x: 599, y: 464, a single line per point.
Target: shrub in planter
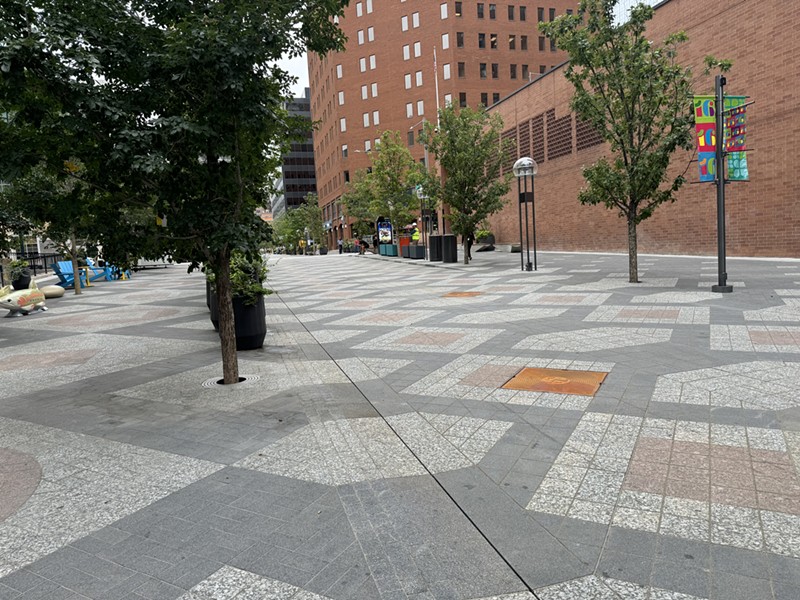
x: 484, y: 236
x: 247, y: 286
x: 20, y: 274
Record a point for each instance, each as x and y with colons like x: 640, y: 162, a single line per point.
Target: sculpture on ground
x: 22, y: 302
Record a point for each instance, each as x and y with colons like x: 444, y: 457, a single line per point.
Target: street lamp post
x: 419, y: 192
x: 526, y: 167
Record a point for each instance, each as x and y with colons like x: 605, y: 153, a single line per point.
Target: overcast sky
x: 299, y: 68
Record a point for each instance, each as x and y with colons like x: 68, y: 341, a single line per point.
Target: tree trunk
x: 227, y: 328
x: 73, y: 242
x: 466, y: 251
x: 633, y: 259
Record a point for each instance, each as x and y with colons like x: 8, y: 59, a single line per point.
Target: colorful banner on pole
x: 735, y: 119
x: 734, y: 126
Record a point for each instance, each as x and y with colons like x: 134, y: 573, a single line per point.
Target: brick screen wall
x: 763, y: 215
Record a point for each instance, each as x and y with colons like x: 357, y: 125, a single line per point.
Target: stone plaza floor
x: 389, y: 443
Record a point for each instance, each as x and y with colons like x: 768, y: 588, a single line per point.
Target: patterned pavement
x: 376, y: 452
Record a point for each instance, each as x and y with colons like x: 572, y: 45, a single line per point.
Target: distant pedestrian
x: 415, y: 235
x: 470, y: 241
x: 340, y: 243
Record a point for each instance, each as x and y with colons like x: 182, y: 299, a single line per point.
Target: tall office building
x: 399, y: 54
x: 298, y: 177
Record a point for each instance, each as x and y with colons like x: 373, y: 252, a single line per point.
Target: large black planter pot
x: 251, y: 323
x: 23, y: 282
x: 213, y: 306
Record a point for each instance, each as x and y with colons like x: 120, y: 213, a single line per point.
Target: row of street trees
x: 465, y: 144
x: 116, y: 109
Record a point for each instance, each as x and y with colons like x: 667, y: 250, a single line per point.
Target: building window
x: 542, y: 68
x: 481, y: 40
x: 408, y: 81
x: 343, y: 124
x: 366, y: 119
x: 376, y: 117
x: 418, y: 76
x: 459, y: 39
x: 359, y: 9
x: 420, y: 108
x: 374, y: 90
x: 338, y: 71
x: 415, y: 20
x: 443, y: 10
x: 362, y: 64
x: 552, y: 45
x: 410, y: 138
x: 493, y: 41
x: 462, y: 99
x: 360, y: 36
x: 409, y: 110
x: 541, y: 44
x: 344, y: 150
x: 367, y: 145
x: 484, y: 98
x: 512, y: 42
x: 523, y: 13
x: 552, y: 14
x: 540, y: 14
x: 406, y: 52
x: 525, y: 72
x: 347, y: 176
x: 369, y: 6
x: 513, y: 70
x: 446, y: 71
x: 364, y: 95
x: 372, y: 62
x: 510, y: 12
x: 495, y: 98
x: 492, y: 11
x: 483, y: 70
x: 370, y: 34
x: 458, y: 9
x: 523, y: 42
x: 448, y: 99
x: 445, y: 41
x: 341, y: 98
x: 404, y: 23
x: 495, y: 70
x: 417, y: 49
x: 480, y: 10
x: 569, y: 11
x: 462, y: 70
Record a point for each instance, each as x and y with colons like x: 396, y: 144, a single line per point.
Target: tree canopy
x: 466, y: 144
x: 172, y: 107
x: 635, y: 94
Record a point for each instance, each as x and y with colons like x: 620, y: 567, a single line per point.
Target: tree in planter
x: 635, y: 95
x: 309, y: 218
x: 466, y: 146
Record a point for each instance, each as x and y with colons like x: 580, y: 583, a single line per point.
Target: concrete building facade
x: 298, y: 175
x: 762, y: 215
x: 386, y: 78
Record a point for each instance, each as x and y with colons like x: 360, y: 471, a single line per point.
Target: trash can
x: 449, y: 248
x: 435, y: 247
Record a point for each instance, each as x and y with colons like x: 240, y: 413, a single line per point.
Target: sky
x: 299, y: 68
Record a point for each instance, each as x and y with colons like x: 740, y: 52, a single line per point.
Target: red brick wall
x: 762, y: 216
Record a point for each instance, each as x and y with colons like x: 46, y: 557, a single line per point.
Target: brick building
x: 384, y: 80
x: 762, y: 215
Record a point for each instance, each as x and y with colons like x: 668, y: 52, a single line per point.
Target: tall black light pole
x: 526, y: 167
x: 719, y: 108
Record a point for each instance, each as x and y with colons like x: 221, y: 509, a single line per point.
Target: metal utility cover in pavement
x: 461, y: 294
x: 581, y: 383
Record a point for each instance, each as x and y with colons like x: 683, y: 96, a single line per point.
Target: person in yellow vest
x: 415, y: 235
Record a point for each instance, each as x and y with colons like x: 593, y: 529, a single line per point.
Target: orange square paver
x: 582, y: 383
x: 461, y: 294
